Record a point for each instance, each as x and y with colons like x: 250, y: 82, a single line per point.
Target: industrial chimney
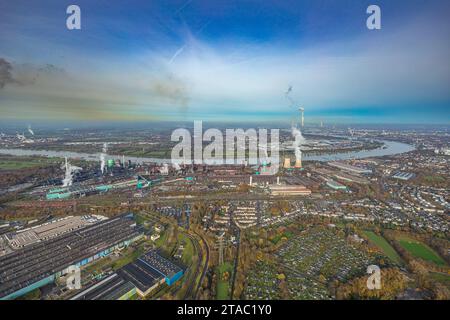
x: 302, y: 116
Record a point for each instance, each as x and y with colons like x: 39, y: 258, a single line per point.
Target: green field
x: 381, y: 243
x: 188, y: 252
x: 129, y: 256
x: 434, y: 179
x: 441, y: 277
x: 223, y: 286
x: 19, y: 163
x: 278, y: 237
x: 420, y: 250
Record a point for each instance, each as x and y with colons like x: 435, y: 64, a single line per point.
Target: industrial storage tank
x: 110, y: 163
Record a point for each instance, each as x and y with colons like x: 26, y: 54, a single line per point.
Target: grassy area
x: 420, y: 250
x: 381, y: 243
x: 97, y: 267
x: 162, y: 239
x: 19, y: 164
x: 434, y: 179
x: 32, y: 295
x: 130, y: 256
x: 278, y: 237
x: 140, y: 219
x: 223, y: 280
x: 441, y: 277
x: 188, y: 251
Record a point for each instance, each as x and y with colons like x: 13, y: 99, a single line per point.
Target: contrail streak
x: 177, y: 53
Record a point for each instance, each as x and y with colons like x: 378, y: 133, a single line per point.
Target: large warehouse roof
x: 38, y: 261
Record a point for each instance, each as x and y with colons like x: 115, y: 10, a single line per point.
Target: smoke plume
x: 102, y: 157
x: 30, y: 130
x: 70, y: 170
x: 5, y: 73
x: 299, y: 140
x: 173, y: 90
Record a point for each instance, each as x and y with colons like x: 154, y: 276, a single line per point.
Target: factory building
x: 140, y: 277
x: 80, y: 191
x: 289, y: 190
x: 65, y: 193
x: 112, y: 287
x: 49, y: 230
x: 347, y: 167
x: 403, y: 176
x: 237, y: 179
x: 41, y: 263
x: 287, y: 163
x: 144, y: 278
x: 170, y: 271
x: 336, y: 185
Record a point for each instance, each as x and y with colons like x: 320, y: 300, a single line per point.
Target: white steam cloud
x: 70, y: 170
x: 103, y: 157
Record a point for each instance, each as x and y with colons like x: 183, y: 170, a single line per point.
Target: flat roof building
x: 403, y: 176
x: 289, y: 190
x: 112, y: 287
x: 49, y: 230
x: 169, y: 270
x: 347, y: 167
x: 144, y: 277
x: 336, y: 185
x: 38, y: 264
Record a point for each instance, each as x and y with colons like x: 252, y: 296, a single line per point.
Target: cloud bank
x: 402, y: 67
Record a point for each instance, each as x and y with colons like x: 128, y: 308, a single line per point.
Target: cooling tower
x: 287, y: 162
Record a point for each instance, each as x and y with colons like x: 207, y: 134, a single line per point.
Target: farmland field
x: 387, y: 249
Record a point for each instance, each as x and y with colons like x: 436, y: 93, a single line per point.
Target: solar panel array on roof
x: 141, y: 275
x: 161, y: 264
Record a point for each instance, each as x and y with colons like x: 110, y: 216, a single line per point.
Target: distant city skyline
x: 224, y: 61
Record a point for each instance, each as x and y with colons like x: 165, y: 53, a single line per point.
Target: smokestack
x: 287, y: 163
x: 278, y: 180
x: 251, y: 180
x: 298, y: 161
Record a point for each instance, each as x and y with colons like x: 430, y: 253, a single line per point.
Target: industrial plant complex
x: 305, y: 227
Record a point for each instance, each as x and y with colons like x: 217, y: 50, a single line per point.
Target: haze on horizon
x: 223, y: 60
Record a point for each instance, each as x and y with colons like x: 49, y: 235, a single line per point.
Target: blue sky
x: 225, y: 60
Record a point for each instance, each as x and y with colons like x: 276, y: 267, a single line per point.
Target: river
x: 390, y: 148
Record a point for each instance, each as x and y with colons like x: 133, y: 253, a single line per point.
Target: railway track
x: 193, y: 287
x: 190, y: 291
x: 205, y: 267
